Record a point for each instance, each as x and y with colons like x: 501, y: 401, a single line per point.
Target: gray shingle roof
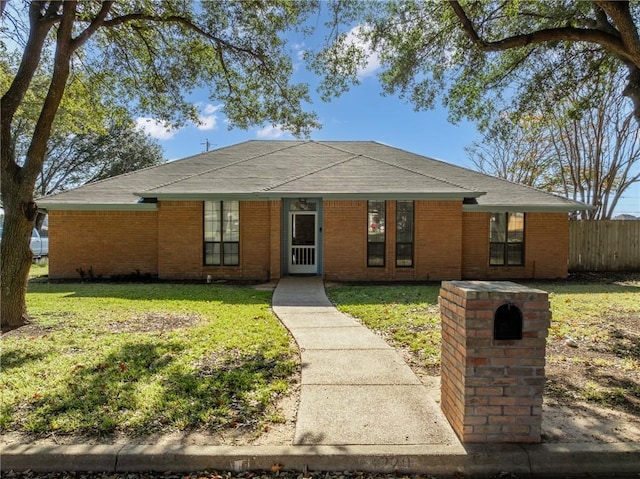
x: 274, y: 169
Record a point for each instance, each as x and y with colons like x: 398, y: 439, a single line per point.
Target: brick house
x: 260, y: 210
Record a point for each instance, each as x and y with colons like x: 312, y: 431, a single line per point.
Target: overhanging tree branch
x: 133, y: 17
x: 93, y: 26
x: 611, y: 42
x: 621, y: 15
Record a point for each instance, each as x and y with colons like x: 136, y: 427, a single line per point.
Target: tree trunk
x: 15, y: 253
x: 632, y: 90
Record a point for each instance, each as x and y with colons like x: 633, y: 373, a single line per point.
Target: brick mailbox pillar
x: 493, y: 357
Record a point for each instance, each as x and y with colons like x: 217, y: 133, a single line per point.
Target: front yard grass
x: 593, y: 349
x: 99, y: 359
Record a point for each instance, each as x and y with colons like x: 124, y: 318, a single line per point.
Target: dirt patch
x: 153, y: 322
x: 28, y: 330
x: 605, y: 372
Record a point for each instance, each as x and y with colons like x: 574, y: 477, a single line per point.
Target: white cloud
x: 299, y: 49
x: 155, y: 128
x: 208, y: 120
x: 209, y: 108
x: 354, y: 37
x: 271, y: 132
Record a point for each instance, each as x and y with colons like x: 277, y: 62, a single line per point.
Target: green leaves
x: 481, y: 57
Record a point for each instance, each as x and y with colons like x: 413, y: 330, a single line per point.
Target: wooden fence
x: 612, y: 245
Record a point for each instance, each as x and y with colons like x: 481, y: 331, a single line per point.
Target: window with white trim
x: 221, y: 233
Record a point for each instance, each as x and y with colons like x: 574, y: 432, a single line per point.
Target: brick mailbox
x: 493, y: 357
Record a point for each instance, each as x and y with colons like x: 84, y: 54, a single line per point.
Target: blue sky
x: 360, y: 114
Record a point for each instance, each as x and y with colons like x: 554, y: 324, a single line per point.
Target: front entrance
x: 303, y: 250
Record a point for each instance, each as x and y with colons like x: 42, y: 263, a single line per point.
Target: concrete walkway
x: 356, y: 390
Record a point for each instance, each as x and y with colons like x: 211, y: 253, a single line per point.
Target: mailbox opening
x: 507, y: 322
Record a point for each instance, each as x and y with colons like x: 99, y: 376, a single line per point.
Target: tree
x: 598, y: 147
x: 585, y: 146
x: 483, y: 56
x: 74, y: 160
x: 518, y: 150
x: 133, y: 52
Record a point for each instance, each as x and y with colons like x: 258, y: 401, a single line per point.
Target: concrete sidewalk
x: 356, y: 390
x: 361, y: 409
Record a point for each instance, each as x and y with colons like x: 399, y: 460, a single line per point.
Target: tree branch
x: 93, y: 26
x: 42, y: 131
x: 133, y: 17
x: 621, y: 15
x: 611, y: 42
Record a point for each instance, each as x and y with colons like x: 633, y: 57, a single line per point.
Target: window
x: 222, y: 233
x: 404, y: 234
x: 506, y: 239
x: 375, y: 233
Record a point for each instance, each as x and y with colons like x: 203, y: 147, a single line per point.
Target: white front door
x: 302, y: 242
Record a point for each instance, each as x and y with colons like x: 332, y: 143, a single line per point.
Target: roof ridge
x: 421, y: 174
x: 222, y: 167
x: 313, y: 172
x: 469, y: 170
x: 403, y: 167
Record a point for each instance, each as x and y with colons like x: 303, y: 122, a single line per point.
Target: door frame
x: 293, y: 268
x: 289, y: 204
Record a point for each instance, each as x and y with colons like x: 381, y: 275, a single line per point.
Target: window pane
x: 498, y: 232
x: 496, y: 254
x: 404, y: 222
x: 404, y: 254
x: 516, y: 227
x: 303, y: 205
x: 212, y: 221
x: 231, y: 254
x: 231, y: 221
x: 376, y: 226
x: 514, y: 252
x: 212, y: 254
x: 375, y: 254
x: 304, y: 229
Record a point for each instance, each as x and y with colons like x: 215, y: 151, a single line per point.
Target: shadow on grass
x: 379, y: 294
x: 604, y: 389
x: 581, y: 286
x: 146, y: 388
x: 17, y: 358
x: 228, y: 294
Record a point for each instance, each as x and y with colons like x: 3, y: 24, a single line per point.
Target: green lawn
x: 137, y: 358
x: 408, y: 314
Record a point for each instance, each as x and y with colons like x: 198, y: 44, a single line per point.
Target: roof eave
x: 271, y: 195
x: 53, y: 206
x: 527, y: 208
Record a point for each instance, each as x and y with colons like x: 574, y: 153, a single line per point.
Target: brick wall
x: 345, y: 239
x: 438, y: 240
x: 546, y: 247
x: 167, y: 242
x: 437, y: 246
x: 492, y: 389
x: 180, y: 239
x: 106, y: 242
x: 275, y: 239
x: 181, y: 250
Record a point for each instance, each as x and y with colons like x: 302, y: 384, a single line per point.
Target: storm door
x: 303, y: 251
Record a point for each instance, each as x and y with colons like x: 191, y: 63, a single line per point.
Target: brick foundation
x: 492, y: 388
